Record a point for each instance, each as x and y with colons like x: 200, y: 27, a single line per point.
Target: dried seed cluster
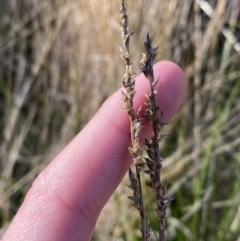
x: 154, y: 159
x: 128, y: 78
x: 153, y: 115
x: 136, y: 122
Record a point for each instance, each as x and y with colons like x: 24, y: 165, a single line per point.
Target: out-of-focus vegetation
x: 59, y: 61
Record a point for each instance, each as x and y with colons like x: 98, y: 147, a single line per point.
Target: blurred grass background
x: 59, y: 61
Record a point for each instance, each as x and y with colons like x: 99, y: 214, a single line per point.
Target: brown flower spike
x: 153, y: 115
x: 135, y: 122
x: 154, y: 159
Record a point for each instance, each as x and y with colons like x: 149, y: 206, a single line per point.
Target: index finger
x: 65, y: 200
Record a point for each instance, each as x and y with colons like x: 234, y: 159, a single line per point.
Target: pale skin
x: 66, y: 199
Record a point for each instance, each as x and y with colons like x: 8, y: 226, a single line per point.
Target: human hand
x: 66, y: 199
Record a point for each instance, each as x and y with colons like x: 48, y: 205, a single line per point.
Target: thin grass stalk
x: 135, y: 122
x: 153, y: 161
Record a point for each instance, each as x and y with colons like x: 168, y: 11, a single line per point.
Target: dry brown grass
x: 59, y: 61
